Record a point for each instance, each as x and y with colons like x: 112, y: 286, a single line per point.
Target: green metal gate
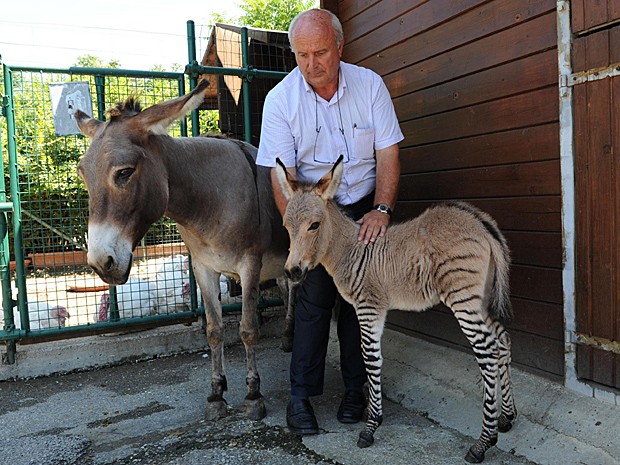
x: 48, y: 290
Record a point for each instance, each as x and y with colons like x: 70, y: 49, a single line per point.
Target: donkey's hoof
x: 504, y: 423
x: 366, y: 439
x: 215, y: 410
x: 475, y: 453
x: 286, y: 344
x: 255, y: 409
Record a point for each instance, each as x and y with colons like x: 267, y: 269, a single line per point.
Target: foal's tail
x: 500, y: 307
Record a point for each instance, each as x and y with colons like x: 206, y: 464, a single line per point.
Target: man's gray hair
x: 313, y: 12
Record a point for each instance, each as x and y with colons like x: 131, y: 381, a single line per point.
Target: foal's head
x: 127, y: 181
x: 305, y: 218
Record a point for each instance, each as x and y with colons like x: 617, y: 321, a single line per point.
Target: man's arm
x: 374, y: 223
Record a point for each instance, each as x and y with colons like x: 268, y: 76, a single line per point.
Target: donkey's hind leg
x: 509, y: 411
x: 486, y: 349
x: 248, y: 331
x: 289, y: 292
x: 208, y: 280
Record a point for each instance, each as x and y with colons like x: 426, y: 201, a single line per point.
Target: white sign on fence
x: 66, y: 98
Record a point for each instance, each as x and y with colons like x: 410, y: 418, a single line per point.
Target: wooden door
x: 596, y: 60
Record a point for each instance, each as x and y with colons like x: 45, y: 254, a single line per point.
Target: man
x: 323, y: 109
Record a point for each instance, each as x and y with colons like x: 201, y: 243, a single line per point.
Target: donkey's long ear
x: 89, y: 126
x: 157, y: 118
x: 328, y: 184
x: 287, y: 183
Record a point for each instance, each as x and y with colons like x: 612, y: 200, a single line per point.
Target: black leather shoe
x: 352, y: 407
x: 300, y: 417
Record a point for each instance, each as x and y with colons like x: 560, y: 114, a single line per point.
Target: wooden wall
x: 475, y: 87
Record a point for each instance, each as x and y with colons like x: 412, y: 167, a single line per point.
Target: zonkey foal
x: 452, y: 254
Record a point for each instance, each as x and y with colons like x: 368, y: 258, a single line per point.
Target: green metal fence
x: 48, y: 291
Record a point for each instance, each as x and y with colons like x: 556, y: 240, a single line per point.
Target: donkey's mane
x: 130, y: 107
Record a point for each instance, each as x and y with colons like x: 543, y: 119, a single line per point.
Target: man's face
x: 317, y: 55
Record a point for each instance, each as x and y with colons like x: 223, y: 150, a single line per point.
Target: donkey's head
x: 126, y: 178
x: 305, y: 218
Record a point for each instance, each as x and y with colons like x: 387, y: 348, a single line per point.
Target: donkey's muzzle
x: 296, y: 273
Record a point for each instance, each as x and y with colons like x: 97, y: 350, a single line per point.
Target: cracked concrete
x: 150, y: 412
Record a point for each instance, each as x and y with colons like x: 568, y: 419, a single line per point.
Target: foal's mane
x: 130, y: 107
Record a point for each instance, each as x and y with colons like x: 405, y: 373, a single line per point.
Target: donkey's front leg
x: 208, y: 281
x: 371, y: 328
x: 248, y: 331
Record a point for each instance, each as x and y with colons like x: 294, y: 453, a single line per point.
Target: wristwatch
x: 383, y: 208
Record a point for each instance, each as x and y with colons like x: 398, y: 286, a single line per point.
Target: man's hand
x: 374, y: 224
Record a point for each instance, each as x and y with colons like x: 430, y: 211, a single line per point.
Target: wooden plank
x: 527, y: 349
x: 597, y: 365
x: 528, y: 144
x: 535, y: 248
x: 615, y: 130
x: 523, y: 179
x: 516, y: 214
x: 532, y: 72
x: 539, y: 318
x: 439, y: 26
x: 582, y: 214
x: 376, y: 16
x: 519, y: 41
x: 533, y: 283
x: 519, y: 111
x: 601, y: 164
x: 595, y: 13
x: 578, y: 16
x: 348, y: 9
x: 408, y: 19
x: 603, y: 367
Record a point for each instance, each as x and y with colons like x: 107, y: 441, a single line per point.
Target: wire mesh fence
x: 50, y: 232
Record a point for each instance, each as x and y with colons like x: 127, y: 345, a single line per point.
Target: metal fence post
x: 20, y: 278
x: 193, y: 78
x: 5, y: 259
x: 245, y: 85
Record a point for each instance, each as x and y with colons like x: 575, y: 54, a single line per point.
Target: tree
x: 92, y: 61
x: 272, y: 14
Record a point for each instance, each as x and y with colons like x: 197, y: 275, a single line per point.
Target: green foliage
x: 54, y: 199
x: 272, y: 14
x: 92, y: 61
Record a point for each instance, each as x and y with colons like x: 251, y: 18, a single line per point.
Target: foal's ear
x: 287, y: 183
x: 157, y: 118
x: 89, y: 126
x: 328, y: 184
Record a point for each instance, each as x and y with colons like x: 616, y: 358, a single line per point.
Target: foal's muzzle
x: 296, y: 273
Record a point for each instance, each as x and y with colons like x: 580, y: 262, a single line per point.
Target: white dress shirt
x: 308, y: 133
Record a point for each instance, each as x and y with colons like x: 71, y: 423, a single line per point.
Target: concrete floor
x: 151, y: 411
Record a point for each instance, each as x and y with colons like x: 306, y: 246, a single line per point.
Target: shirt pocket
x: 363, y: 143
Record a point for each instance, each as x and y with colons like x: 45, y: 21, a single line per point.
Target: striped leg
x: 371, y: 329
x: 486, y: 349
x: 509, y: 412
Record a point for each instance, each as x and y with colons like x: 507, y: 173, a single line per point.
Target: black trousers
x: 316, y: 298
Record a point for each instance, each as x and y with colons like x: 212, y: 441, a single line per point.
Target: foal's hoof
x: 475, y: 453
x: 286, y: 344
x: 215, y: 410
x: 504, y: 423
x: 255, y: 409
x: 366, y: 439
